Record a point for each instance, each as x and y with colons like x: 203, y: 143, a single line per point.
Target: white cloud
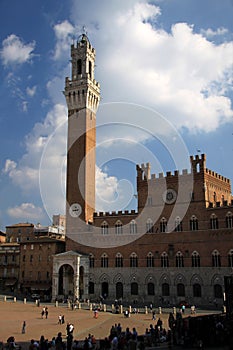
x: 25, y: 173
x: 10, y: 165
x: 210, y: 33
x: 27, y: 211
x: 14, y: 51
x: 64, y: 31
x: 179, y: 73
x: 31, y: 91
x: 112, y: 194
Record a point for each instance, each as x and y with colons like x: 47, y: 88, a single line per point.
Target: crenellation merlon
x: 217, y: 176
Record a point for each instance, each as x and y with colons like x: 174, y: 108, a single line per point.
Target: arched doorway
x: 119, y: 290
x: 104, y: 289
x: 66, y: 280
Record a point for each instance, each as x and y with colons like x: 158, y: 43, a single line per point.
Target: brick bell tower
x: 82, y: 93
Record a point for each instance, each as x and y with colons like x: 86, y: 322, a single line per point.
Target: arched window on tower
x: 150, y: 260
x: 213, y: 222
x: 216, y: 259
x: 193, y: 223
x: 133, y: 226
x: 119, y: 260
x: 104, y: 260
x: 179, y: 259
x: 104, y: 228
x: 90, y: 70
x: 164, y: 260
x: 79, y: 66
x: 163, y: 225
x: 230, y: 258
x: 195, y: 259
x: 229, y: 220
x: 133, y: 260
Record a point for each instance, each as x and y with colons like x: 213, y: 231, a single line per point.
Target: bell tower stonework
x: 82, y: 93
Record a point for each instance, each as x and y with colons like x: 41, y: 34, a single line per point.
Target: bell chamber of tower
x: 82, y: 93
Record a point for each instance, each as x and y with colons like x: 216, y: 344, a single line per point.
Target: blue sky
x: 164, y: 66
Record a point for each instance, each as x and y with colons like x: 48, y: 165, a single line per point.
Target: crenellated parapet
x: 217, y: 176
x: 144, y: 174
x: 119, y: 214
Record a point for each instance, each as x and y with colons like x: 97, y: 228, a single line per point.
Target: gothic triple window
x: 179, y: 260
x: 163, y: 225
x: 216, y: 259
x: 104, y: 260
x: 118, y: 227
x: 150, y: 260
x: 229, y: 220
x: 119, y: 260
x: 213, y: 222
x: 178, y: 225
x: 230, y: 258
x: 193, y: 223
x: 133, y: 227
x: 104, y: 228
x: 149, y: 226
x: 195, y: 259
x: 164, y: 260
x: 133, y: 260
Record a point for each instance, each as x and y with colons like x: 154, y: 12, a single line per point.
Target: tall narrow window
x: 133, y: 260
x: 216, y: 259
x: 163, y: 225
x: 213, y: 222
x: 179, y: 260
x: 150, y: 260
x: 178, y: 225
x: 118, y: 228
x: 230, y: 258
x: 149, y: 226
x: 104, y: 260
x: 119, y: 260
x: 133, y: 226
x: 91, y: 261
x: 79, y: 66
x: 90, y: 69
x: 193, y: 223
x: 195, y: 259
x: 104, y: 228
x: 229, y: 220
x: 164, y: 260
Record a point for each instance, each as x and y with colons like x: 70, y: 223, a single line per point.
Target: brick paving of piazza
x: 12, y: 315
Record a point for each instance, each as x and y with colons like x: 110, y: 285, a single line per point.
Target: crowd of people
x: 179, y: 330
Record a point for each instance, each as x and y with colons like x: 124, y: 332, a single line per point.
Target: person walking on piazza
x: 24, y: 327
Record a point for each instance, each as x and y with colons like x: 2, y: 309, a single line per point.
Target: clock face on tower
x: 75, y: 210
x: 169, y: 196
